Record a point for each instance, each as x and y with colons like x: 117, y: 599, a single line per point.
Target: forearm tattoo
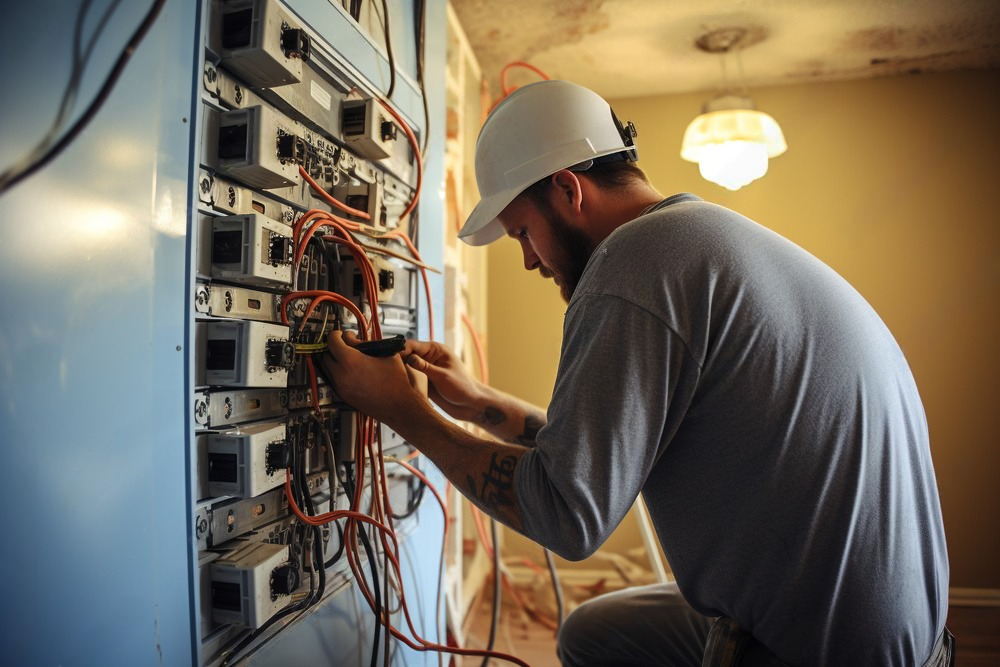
x: 532, y: 425
x: 492, y: 416
x: 497, y: 487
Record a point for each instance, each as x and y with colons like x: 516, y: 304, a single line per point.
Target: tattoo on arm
x: 497, y: 488
x: 532, y: 425
x: 492, y: 416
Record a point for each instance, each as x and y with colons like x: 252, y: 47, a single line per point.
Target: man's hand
x: 452, y: 387
x: 376, y: 386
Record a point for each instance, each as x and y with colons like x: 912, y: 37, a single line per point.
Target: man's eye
x: 523, y: 234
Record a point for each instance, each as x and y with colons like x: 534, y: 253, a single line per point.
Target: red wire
x: 313, y: 385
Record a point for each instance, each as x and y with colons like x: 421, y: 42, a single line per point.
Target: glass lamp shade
x: 732, y: 146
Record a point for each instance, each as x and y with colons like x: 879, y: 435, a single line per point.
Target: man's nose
x: 531, y: 261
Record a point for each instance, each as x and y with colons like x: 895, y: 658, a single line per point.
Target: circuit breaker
x: 251, y: 583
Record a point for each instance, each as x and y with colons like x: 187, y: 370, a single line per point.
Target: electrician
x: 750, y: 394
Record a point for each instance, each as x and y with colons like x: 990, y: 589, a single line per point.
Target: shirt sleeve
x: 623, y: 385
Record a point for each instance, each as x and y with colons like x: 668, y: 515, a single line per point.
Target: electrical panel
x: 222, y: 222
x: 305, y: 182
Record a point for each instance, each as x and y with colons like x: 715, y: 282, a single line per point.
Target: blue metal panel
x: 95, y: 353
x: 92, y: 346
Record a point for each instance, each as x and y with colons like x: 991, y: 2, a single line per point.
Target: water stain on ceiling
x: 626, y: 48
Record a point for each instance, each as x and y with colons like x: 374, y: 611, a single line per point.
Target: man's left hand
x: 375, y: 386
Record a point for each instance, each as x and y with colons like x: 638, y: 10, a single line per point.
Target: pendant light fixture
x: 731, y: 141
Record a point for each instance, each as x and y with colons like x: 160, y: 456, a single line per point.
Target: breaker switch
x: 279, y: 249
x: 279, y: 354
x: 291, y: 149
x: 295, y: 43
x: 388, y: 131
x: 284, y: 581
x: 386, y: 280
x: 277, y: 456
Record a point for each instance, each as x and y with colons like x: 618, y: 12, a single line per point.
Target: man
x: 754, y: 398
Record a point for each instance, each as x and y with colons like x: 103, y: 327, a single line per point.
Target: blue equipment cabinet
x: 100, y: 364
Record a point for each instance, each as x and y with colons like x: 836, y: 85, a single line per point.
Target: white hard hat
x: 534, y: 132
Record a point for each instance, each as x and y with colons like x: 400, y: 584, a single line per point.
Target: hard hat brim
x: 482, y: 227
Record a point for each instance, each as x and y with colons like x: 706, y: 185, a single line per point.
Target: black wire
x: 421, y: 32
x: 340, y: 551
x: 557, y: 587
x: 15, y: 175
x: 415, y: 497
x: 317, y: 558
x: 495, y: 621
x: 370, y: 554
x: 373, y: 565
x: 388, y: 49
x: 76, y: 74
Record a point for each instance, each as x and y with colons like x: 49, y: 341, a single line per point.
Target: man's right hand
x: 451, y: 386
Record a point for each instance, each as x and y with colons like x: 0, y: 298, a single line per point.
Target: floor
x: 976, y: 630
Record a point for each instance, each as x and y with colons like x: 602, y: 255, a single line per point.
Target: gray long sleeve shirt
x: 770, y: 421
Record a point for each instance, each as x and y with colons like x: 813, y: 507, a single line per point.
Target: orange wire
x: 330, y: 199
x: 416, y: 154
x: 350, y: 305
x: 517, y: 63
x: 399, y: 233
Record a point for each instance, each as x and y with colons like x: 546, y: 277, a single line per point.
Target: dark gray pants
x: 653, y: 625
x: 646, y: 625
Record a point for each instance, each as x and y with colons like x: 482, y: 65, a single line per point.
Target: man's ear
x: 567, y: 190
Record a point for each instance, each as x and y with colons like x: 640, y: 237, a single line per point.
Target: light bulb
x: 733, y: 164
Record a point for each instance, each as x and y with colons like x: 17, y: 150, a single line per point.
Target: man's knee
x: 580, y: 633
x: 645, y: 625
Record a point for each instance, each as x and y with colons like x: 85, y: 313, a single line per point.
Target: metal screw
x: 229, y: 301
x: 201, y: 296
x: 200, y: 408
x: 232, y: 196
x: 205, y: 185
x: 202, y: 527
x: 239, y: 95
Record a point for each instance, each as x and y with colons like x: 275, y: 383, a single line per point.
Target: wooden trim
x: 974, y: 597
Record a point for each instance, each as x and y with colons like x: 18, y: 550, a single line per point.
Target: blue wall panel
x: 92, y: 347
x: 95, y: 386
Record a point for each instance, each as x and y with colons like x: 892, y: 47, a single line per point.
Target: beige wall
x: 895, y: 183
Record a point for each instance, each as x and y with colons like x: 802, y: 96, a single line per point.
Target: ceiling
x: 628, y: 48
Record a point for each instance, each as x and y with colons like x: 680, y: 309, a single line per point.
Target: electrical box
x: 263, y: 43
x: 368, y: 128
x: 251, y: 249
x: 242, y: 353
x: 248, y: 148
x: 247, y: 461
x: 251, y: 583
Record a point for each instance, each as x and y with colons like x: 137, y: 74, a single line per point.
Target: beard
x: 572, y: 252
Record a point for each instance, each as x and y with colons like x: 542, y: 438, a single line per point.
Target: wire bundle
x: 368, y: 525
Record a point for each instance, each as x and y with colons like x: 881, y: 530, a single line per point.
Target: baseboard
x: 974, y: 597
x: 575, y: 576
